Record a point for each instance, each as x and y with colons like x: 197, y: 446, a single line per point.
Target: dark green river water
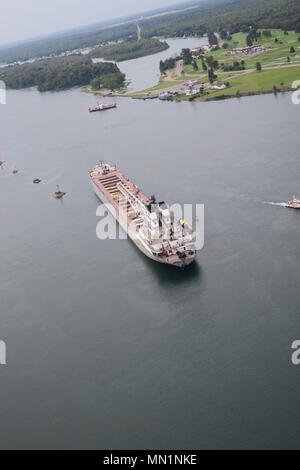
x: 105, y: 348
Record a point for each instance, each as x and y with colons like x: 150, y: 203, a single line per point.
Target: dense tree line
x: 167, y: 64
x: 212, y: 38
x: 212, y: 62
x: 59, y: 73
x: 235, y: 66
x: 187, y: 57
x: 225, y: 35
x: 211, y: 75
x: 228, y: 16
x: 111, y: 81
x: 130, y: 49
x: 204, y: 66
x: 253, y: 36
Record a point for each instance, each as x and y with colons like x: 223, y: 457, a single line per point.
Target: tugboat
x: 102, y: 107
x: 293, y: 204
x: 59, y: 194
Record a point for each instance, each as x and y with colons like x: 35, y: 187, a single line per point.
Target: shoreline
x: 196, y: 99
x: 244, y: 95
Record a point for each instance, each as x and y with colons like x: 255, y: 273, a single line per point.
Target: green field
x: 277, y: 56
x: 162, y: 85
x: 259, y: 82
x: 277, y: 72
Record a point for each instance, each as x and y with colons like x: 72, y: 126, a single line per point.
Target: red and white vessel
x: 293, y: 204
x: 102, y: 107
x: 150, y: 225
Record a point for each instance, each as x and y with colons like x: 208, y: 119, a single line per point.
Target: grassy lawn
x: 257, y: 82
x: 161, y: 86
x: 188, y: 69
x: 277, y: 56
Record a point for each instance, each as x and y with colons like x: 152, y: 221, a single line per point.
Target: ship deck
x: 108, y: 185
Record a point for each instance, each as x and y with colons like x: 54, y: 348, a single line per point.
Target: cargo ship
x: 150, y: 224
x: 102, y: 107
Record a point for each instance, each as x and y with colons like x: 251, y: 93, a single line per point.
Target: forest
x: 130, y: 49
x: 61, y: 73
x: 228, y: 15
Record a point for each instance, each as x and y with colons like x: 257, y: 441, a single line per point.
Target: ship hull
x: 135, y: 237
x: 294, y: 204
x: 104, y: 108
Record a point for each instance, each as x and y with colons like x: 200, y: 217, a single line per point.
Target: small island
x: 130, y: 49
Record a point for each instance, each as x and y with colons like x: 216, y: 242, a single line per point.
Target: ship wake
x: 280, y: 204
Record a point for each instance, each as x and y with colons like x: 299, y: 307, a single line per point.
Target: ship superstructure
x: 150, y: 225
